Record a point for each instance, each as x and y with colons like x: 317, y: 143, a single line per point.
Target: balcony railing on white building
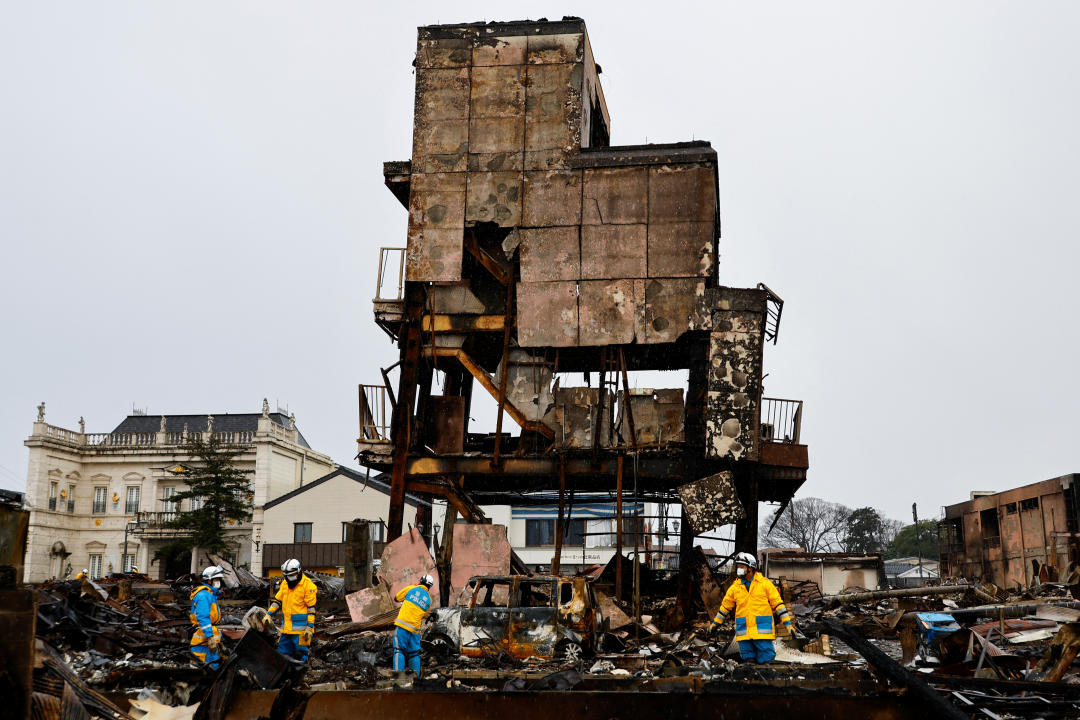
x: 106, y: 441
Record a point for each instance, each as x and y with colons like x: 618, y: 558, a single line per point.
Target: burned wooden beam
x: 930, y: 699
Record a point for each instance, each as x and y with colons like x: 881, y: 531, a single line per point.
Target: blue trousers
x: 758, y: 651
x: 406, y: 650
x: 289, y: 644
x: 205, y: 655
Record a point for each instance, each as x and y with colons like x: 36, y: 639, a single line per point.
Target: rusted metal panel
x: 497, y: 136
x: 494, y: 197
x: 441, y: 120
x: 405, y: 560
x: 18, y: 618
x: 682, y: 249
x: 445, y: 425
x: 552, y: 253
x: 681, y: 193
x: 367, y: 604
x: 436, y: 222
x: 547, y: 314
x: 736, y: 702
x: 607, y: 312
x: 498, y: 92
x: 550, y: 49
x: 528, y: 388
x: 616, y: 196
x: 552, y: 115
x: 711, y: 502
x: 442, y: 52
x: 670, y: 304
x: 658, y: 416
x: 478, y: 550
x: 613, y: 251
x: 441, y: 146
x: 497, y: 118
x: 785, y: 455
x: 552, y: 198
x: 573, y: 417
x: 506, y: 50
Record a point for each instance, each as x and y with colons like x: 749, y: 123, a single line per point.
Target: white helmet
x: 213, y: 572
x: 291, y: 569
x: 746, y: 559
x: 427, y: 581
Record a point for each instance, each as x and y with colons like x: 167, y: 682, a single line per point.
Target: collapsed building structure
x: 535, y: 250
x: 1018, y: 537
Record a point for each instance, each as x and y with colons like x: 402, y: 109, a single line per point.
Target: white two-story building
x: 100, y: 501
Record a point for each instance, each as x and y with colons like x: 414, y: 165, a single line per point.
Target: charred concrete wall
x: 510, y: 128
x: 736, y: 343
x: 498, y: 110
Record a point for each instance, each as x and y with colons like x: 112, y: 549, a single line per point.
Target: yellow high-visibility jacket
x: 754, y: 608
x: 297, y: 605
x: 415, y: 602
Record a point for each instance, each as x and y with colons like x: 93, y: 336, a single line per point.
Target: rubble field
x: 119, y: 649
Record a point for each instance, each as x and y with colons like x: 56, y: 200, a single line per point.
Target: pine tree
x: 223, y: 492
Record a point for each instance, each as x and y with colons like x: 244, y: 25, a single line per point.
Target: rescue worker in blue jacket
x: 206, y: 639
x: 754, y: 600
x: 295, y: 598
x: 415, y: 603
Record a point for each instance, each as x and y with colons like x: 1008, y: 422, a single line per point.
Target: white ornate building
x: 89, y: 494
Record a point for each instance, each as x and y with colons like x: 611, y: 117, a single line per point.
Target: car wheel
x: 569, y: 651
x: 440, y: 647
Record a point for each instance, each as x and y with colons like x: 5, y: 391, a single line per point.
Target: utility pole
x: 918, y: 539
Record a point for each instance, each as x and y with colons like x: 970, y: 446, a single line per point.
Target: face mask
x: 293, y: 580
x: 216, y: 584
x: 741, y: 572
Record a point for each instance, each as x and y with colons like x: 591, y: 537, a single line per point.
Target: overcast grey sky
x: 191, y: 206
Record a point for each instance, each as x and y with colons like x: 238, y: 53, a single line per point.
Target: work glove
x: 306, y: 636
x: 713, y: 628
x: 214, y: 643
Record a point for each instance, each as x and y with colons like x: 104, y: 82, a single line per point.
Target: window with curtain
x: 131, y: 503
x: 100, y: 497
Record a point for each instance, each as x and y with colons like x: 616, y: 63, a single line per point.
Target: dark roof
x: 567, y: 25
x: 696, y: 151
x: 226, y: 422
x: 380, y: 482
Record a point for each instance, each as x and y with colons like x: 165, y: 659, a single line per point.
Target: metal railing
x: 375, y: 412
x: 159, y: 521
x: 781, y: 420
x: 774, y: 308
x: 392, y: 264
x: 156, y: 519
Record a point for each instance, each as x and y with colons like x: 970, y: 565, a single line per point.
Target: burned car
x: 545, y: 616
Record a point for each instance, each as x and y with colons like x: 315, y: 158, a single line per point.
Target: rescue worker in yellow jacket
x: 754, y: 600
x: 296, y: 600
x: 415, y: 603
x: 206, y: 640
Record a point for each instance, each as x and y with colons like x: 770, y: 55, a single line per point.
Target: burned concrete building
x: 539, y: 255
x: 1017, y: 537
